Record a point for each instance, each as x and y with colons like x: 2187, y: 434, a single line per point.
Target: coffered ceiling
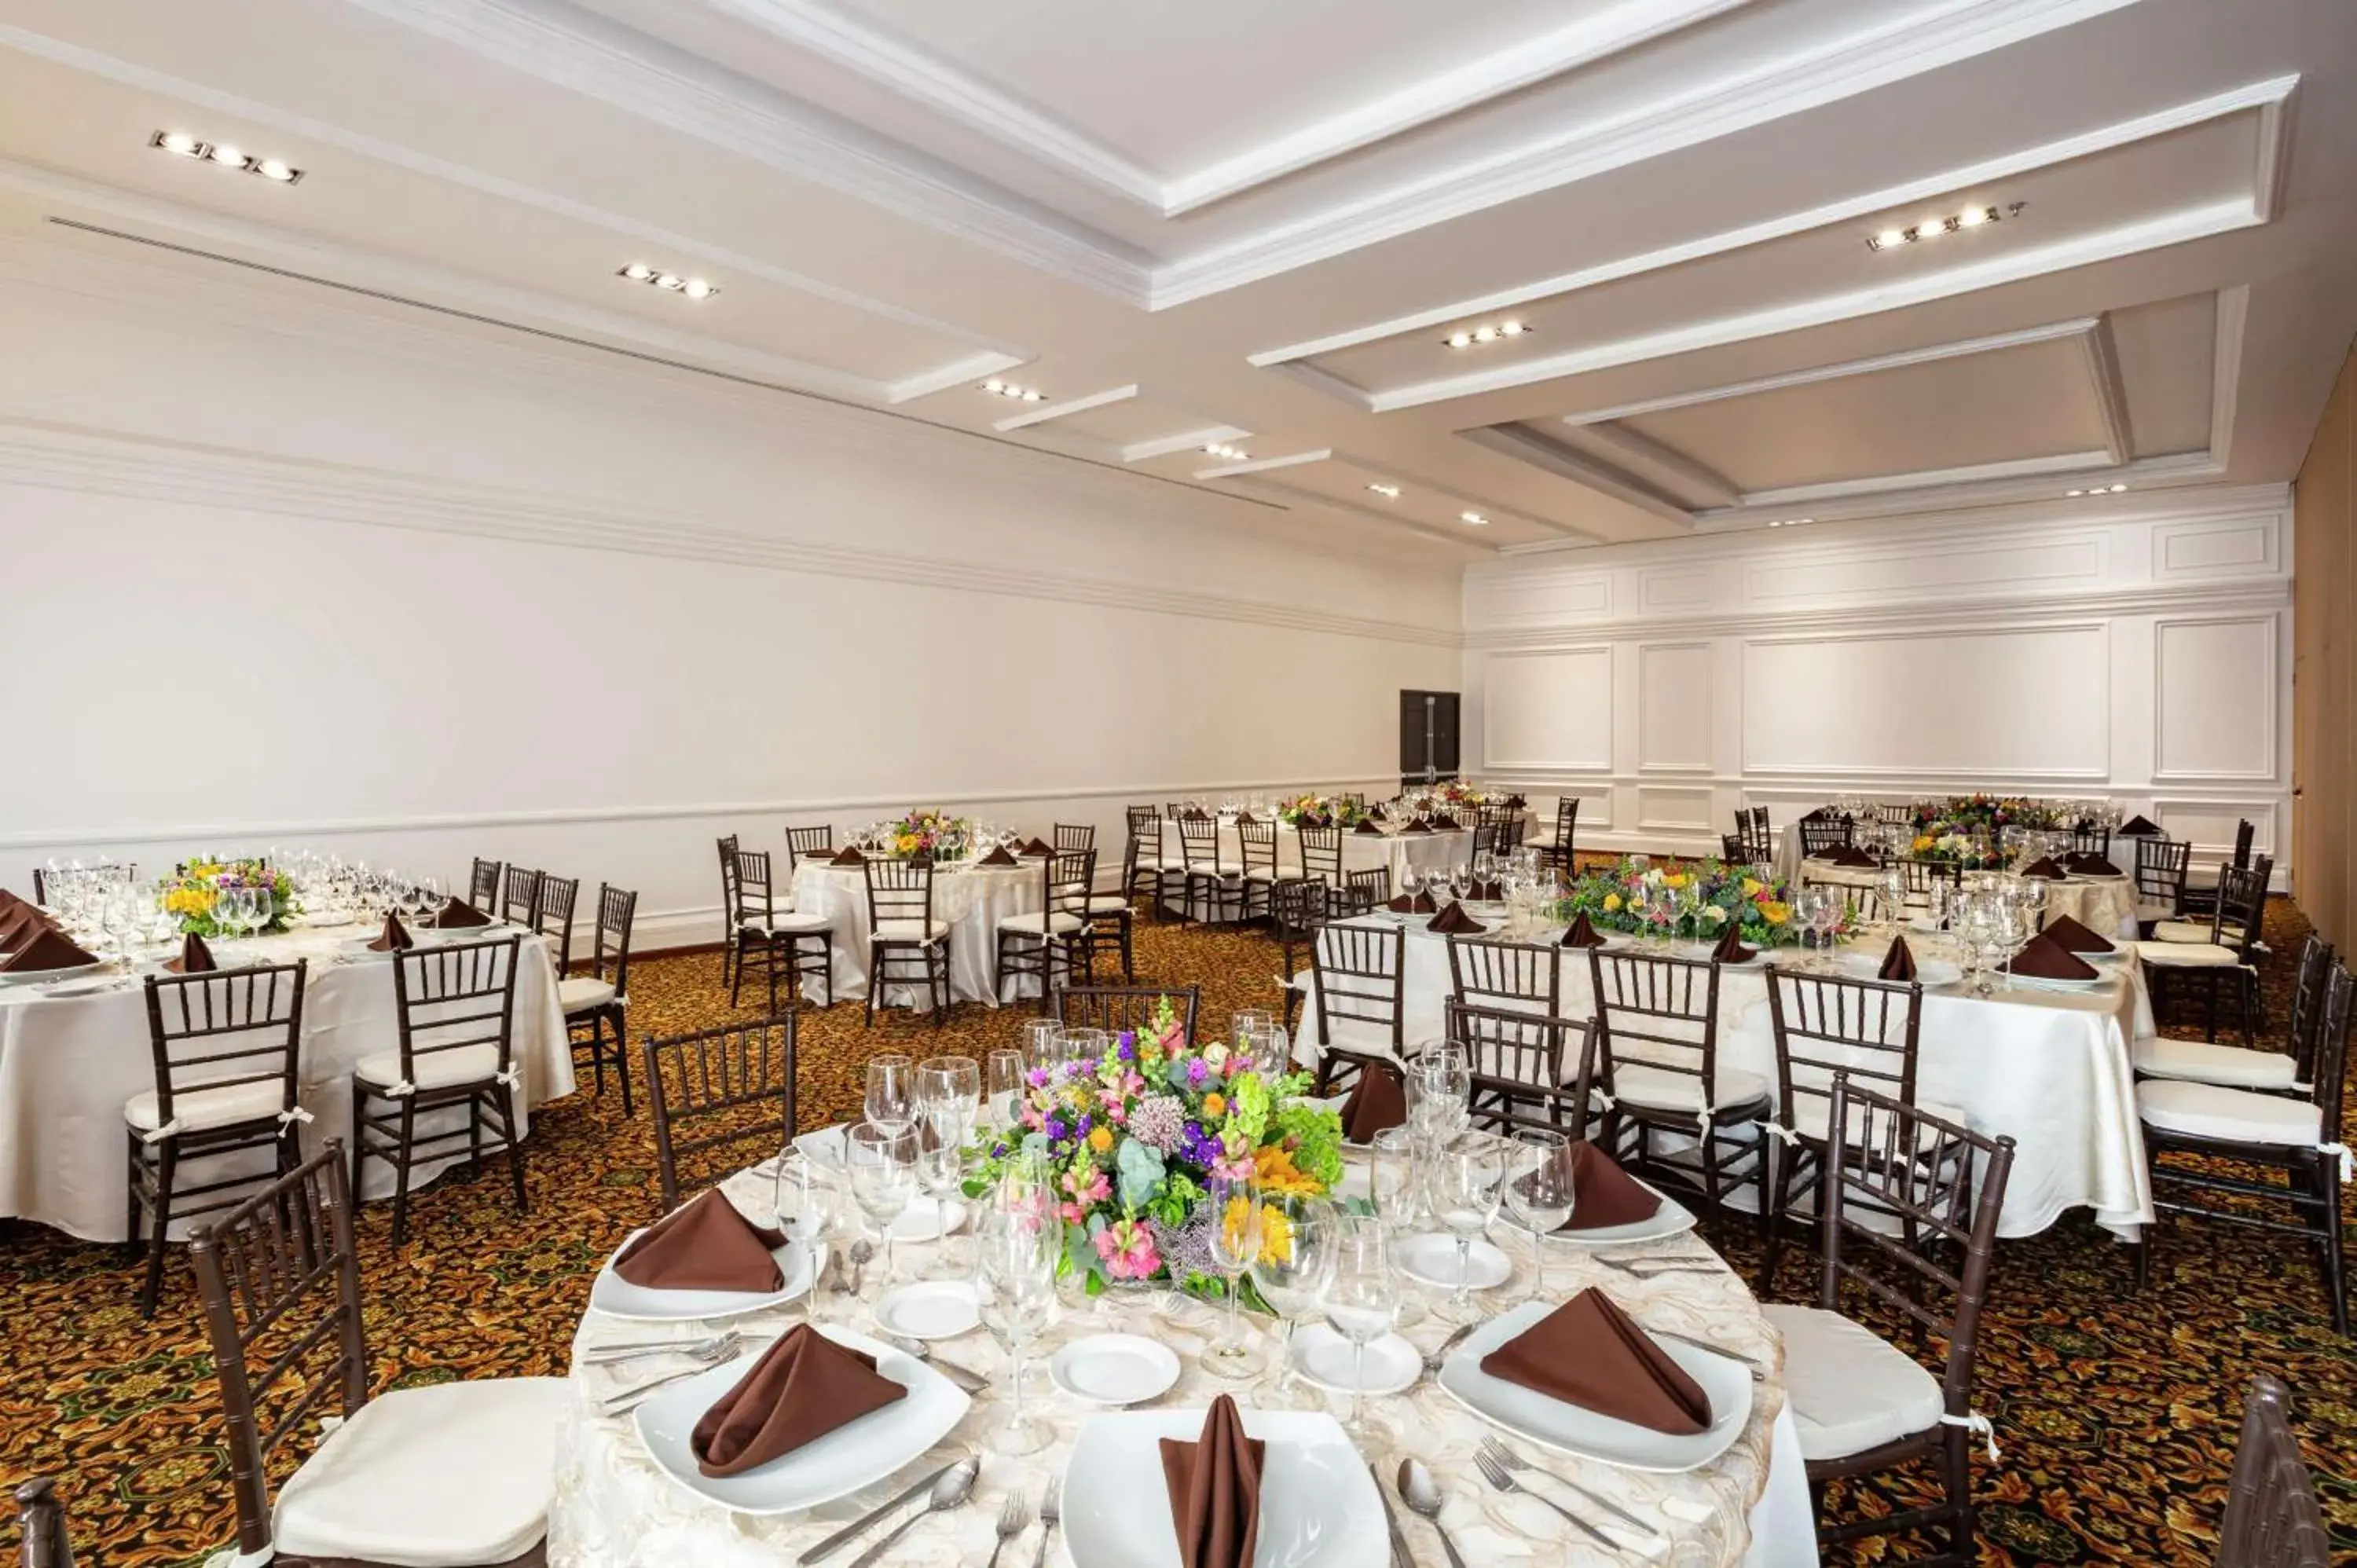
x: 1526, y: 274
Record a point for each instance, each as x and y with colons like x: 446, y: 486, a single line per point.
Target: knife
x: 1400, y: 1557
x: 850, y: 1532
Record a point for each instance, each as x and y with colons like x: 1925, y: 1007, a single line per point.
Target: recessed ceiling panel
x: 2167, y: 354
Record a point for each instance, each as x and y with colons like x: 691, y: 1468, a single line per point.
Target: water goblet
x: 1043, y: 1043
x: 1539, y: 1191
x: 1296, y: 1258
x: 882, y: 1163
x: 1015, y: 1280
x: 1004, y: 1072
x: 891, y: 1093
x: 1466, y: 1178
x: 1361, y: 1302
x: 1235, y: 1245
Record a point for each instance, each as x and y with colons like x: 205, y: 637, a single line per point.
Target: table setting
x: 1421, y: 834
x: 1191, y: 1326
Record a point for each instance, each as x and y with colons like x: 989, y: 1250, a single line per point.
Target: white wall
x: 2135, y: 647
x: 275, y: 570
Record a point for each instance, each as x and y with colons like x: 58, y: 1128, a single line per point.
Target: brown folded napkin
x: 2089, y: 865
x: 1849, y: 854
x: 47, y: 950
x: 1729, y: 948
x: 2140, y: 826
x: 1581, y: 932
x: 1246, y: 819
x: 1454, y: 922
x: 22, y: 911
x: 1417, y: 828
x: 1035, y: 846
x: 707, y: 1245
x: 1899, y: 963
x: 1378, y: 1100
x: 1443, y: 819
x: 394, y: 937
x: 1590, y: 1353
x: 2044, y: 869
x: 1367, y: 825
x: 21, y: 923
x: 997, y: 857
x: 1215, y: 1486
x: 194, y: 957
x: 1194, y: 814
x: 2045, y: 959
x: 457, y: 914
x: 1516, y: 802
x: 849, y: 855
x: 2072, y: 937
x: 1602, y: 1194
x: 803, y: 1388
x: 1488, y: 892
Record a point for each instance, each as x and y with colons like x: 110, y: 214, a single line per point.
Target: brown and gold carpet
x: 2118, y: 1414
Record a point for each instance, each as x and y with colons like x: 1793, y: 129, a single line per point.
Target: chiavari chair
x: 2223, y: 1128
x: 1759, y: 839
x: 1361, y: 891
x: 1888, y: 814
x: 1298, y: 910
x: 1053, y: 939
x: 1118, y: 1008
x: 600, y: 1000
x: 2201, y: 896
x: 41, y: 1526
x: 2161, y: 866
x: 1075, y: 838
x: 1657, y: 1022
x: 1922, y: 874
x: 1257, y: 843
x: 2237, y: 1067
x: 1357, y: 973
x: 1206, y: 881
x: 454, y: 1011
x: 1516, y: 1061
x: 1522, y: 977
x: 731, y: 915
x: 1735, y: 850
x: 2224, y: 950
x: 1862, y: 1404
x: 783, y: 940
x: 1141, y: 864
x: 520, y: 896
x: 482, y: 885
x: 2272, y: 1518
x: 2090, y: 837
x: 809, y: 844
x: 225, y: 1045
x: 1822, y: 831
x: 907, y: 943
x: 551, y: 917
x: 1321, y: 854
x: 461, y: 1471
x: 737, y: 1078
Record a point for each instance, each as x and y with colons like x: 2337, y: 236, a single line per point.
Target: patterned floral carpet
x: 2117, y: 1414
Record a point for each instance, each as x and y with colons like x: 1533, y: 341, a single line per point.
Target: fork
x: 717, y: 1347
x: 615, y: 1404
x: 1661, y: 1266
x: 1500, y: 1481
x: 1051, y: 1514
x: 1012, y: 1520
x: 1507, y: 1459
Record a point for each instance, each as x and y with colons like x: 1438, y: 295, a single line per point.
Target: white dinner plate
x: 1569, y: 1429
x: 2040, y: 982
x: 1318, y: 1507
x: 1672, y: 1218
x: 825, y: 1146
x: 48, y: 976
x: 928, y: 1219
x: 88, y: 984
x: 1324, y: 1358
x: 930, y: 1309
x: 1114, y: 1368
x: 1432, y: 1259
x: 851, y: 1457
x: 1931, y: 973
x: 617, y: 1297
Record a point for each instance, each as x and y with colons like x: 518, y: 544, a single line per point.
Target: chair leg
x: 167, y: 1159
x: 622, y: 1059
x: 875, y: 951
x: 474, y: 1139
x: 2210, y: 1007
x: 1956, y: 1459
x: 1128, y: 956
x: 2251, y: 1020
x: 736, y: 974
x: 1771, y: 1221
x: 360, y: 1137
x: 135, y: 1170
x: 2336, y: 1283
x: 515, y: 1149
x: 400, y: 1169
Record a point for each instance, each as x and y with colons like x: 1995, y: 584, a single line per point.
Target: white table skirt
x: 67, y: 1065
x: 615, y: 1510
x: 2106, y: 905
x: 2049, y: 1068
x: 969, y: 900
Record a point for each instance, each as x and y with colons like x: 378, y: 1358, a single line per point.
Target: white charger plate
x: 1931, y: 973
x: 1431, y: 1259
x: 48, y: 976
x: 1569, y: 1429
x: 1672, y: 1218
x: 1318, y: 1507
x: 1114, y: 1368
x: 86, y: 985
x: 825, y: 1146
x: 849, y: 1457
x: 1324, y: 1358
x: 930, y: 1309
x: 2040, y: 982
x: 928, y: 1219
x: 618, y: 1298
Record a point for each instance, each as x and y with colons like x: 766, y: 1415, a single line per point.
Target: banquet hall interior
x: 1328, y: 783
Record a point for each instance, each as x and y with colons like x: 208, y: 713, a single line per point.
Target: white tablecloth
x: 67, y: 1065
x: 615, y: 1510
x: 970, y: 900
x: 1397, y: 853
x: 2103, y: 904
x: 2051, y: 1068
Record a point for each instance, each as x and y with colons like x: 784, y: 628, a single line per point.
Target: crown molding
x: 2100, y: 355
x: 2226, y: 369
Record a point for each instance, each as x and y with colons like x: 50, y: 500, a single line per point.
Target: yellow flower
x: 1922, y: 841
x: 1751, y: 887
x: 1215, y: 1104
x: 1775, y: 914
x: 1674, y: 879
x: 1272, y: 1164
x: 1611, y: 902
x: 1275, y: 1235
x: 1100, y: 1140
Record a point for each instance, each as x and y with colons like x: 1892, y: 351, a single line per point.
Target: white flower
x: 1713, y: 913
x: 1215, y: 1055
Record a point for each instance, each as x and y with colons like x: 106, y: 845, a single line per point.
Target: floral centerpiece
x: 1698, y: 900
x: 1320, y: 812
x: 1134, y: 1138
x: 192, y: 893
x: 931, y: 836
x: 1456, y: 792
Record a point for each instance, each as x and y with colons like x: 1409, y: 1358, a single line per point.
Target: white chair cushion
x: 1064, y: 925
x: 430, y: 1478
x: 1109, y: 904
x: 201, y: 1107
x: 2181, y: 931
x: 1812, y: 1115
x: 2187, y: 955
x: 1658, y: 1089
x: 2234, y: 1115
x: 1849, y: 1390
x: 2200, y: 1062
x: 905, y: 931
x: 582, y: 993
x: 435, y: 1069
x: 789, y: 923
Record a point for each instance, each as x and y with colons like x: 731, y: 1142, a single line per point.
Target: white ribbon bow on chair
x: 287, y: 1118
x: 1976, y: 1422
x: 1777, y: 1130
x: 161, y: 1133
x: 511, y: 1075
x: 2348, y: 1165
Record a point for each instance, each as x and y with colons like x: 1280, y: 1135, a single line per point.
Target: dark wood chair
x: 1657, y: 1022
x: 1114, y: 1008
x: 1517, y: 1064
x: 1321, y: 854
x: 2202, y: 896
x: 1359, y: 973
x: 1257, y: 843
x: 226, y: 1045
x: 2227, y: 1132
x: 807, y: 843
x: 2272, y: 1518
x: 1054, y: 939
x: 2089, y: 837
x: 484, y: 886
x: 459, y: 1471
x: 1075, y: 838
x: 771, y: 931
x: 729, y: 1077
x: 1934, y: 1276
x: 1363, y: 890
x: 520, y: 897
x: 41, y: 1526
x: 453, y: 1012
x: 2161, y: 865
x: 1142, y: 867
x: 1922, y: 874
x: 731, y: 915
x: 2287, y: 1071
x: 907, y: 943
x: 1207, y: 881
x: 1561, y: 852
x: 1297, y: 910
x: 1824, y: 830
x: 2224, y: 952
x: 1525, y: 977
x: 551, y: 917
x: 599, y: 1001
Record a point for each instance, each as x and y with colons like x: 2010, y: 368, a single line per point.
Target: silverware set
x: 708, y: 1353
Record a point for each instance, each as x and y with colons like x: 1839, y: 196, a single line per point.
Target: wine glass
x: 1235, y: 1245
x: 891, y: 1093
x: 1392, y: 1180
x: 1020, y: 1251
x: 1083, y: 1048
x: 1004, y: 1072
x: 1362, y: 1301
x: 1466, y: 1179
x: 1296, y: 1257
x: 1539, y: 1191
x: 1043, y: 1043
x: 429, y: 896
x: 948, y: 1093
x: 1440, y: 1083
x: 882, y: 1162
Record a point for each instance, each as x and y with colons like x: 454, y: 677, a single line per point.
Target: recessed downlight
x: 1006, y: 389
x: 1486, y: 332
x: 1790, y: 521
x: 224, y: 154
x: 1939, y: 223
x: 1473, y: 519
x: 1389, y: 492
x: 669, y: 283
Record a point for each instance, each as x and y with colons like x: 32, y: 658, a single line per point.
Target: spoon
x: 1421, y: 1493
x: 861, y: 1251
x: 948, y: 1493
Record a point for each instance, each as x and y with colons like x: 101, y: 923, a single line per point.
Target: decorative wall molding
x: 2261, y: 696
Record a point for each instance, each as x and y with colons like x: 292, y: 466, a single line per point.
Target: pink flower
x: 1127, y: 1248
x: 1087, y: 1187
x: 1072, y: 1213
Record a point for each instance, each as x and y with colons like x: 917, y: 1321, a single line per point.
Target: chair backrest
x: 1258, y: 841
x: 1658, y: 1013
x: 1735, y: 849
x: 1144, y: 844
x: 482, y: 885
x: 1067, y: 881
x: 1296, y: 908
x: 2309, y: 981
x: 1516, y: 1061
x: 731, y: 915
x: 2160, y: 868
x: 1073, y: 837
x: 220, y: 1027
x: 1829, y: 1024
x: 1321, y: 854
x: 1199, y: 844
x: 552, y: 918
x: 1885, y: 1159
x: 899, y: 890
x: 1116, y: 1008
x: 2272, y: 1518
x: 41, y: 1525
x: 2090, y: 838
x: 756, y: 892
x: 1566, y: 823
x: 2242, y: 905
x: 802, y: 843
x: 1360, y: 973
x: 617, y: 910
x: 1922, y: 874
x: 40, y: 886
x: 1823, y: 833
x: 2331, y: 1052
x: 281, y: 1286
x: 1511, y: 833
x: 454, y: 998
x: 2245, y: 834
x: 725, y: 1076
x: 1889, y: 814
x: 520, y: 896
x: 1522, y: 977
x: 1363, y: 890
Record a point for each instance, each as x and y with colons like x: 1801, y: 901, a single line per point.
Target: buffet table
x: 968, y: 900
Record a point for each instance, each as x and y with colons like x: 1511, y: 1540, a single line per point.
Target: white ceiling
x: 1254, y: 225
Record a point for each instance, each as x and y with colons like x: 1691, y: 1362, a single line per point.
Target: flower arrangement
x: 192, y: 893
x: 1698, y: 900
x: 932, y: 835
x: 1455, y: 792
x: 1320, y: 812
x: 1133, y: 1140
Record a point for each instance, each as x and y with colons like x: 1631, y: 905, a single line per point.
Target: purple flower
x: 1198, y: 1069
x: 1126, y: 1047
x: 1055, y: 1129
x: 1156, y: 1122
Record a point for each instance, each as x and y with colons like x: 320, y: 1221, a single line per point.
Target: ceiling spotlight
x: 186, y: 145
x: 1510, y: 328
x: 275, y: 168
x: 1943, y: 223
x: 669, y: 283
x: 1008, y: 389
x: 2074, y: 492
x: 994, y: 384
x: 1389, y: 492
x: 1483, y: 334
x: 670, y: 280
x: 1972, y: 217
x: 1473, y: 519
x: 1790, y: 522
x: 1487, y: 332
x: 1890, y: 237
x: 179, y: 143
x: 638, y: 272
x: 1032, y: 394
x: 697, y: 288
x: 2118, y: 488
x: 1221, y: 449
x: 226, y: 155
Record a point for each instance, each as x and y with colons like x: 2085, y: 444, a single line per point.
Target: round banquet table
x: 2106, y: 905
x: 615, y: 1510
x: 68, y: 1063
x: 970, y: 900
x: 1397, y: 853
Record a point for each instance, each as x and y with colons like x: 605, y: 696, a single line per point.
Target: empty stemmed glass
x: 1020, y: 1246
x: 1295, y: 1261
x: 891, y: 1101
x: 1362, y: 1301
x: 1004, y: 1078
x: 1539, y: 1191
x: 1466, y: 1178
x: 882, y: 1162
x: 1235, y: 1246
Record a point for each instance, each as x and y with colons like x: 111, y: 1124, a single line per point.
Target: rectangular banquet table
x: 1396, y: 854
x: 968, y: 900
x: 2103, y: 904
x: 68, y: 1063
x: 2053, y: 1068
